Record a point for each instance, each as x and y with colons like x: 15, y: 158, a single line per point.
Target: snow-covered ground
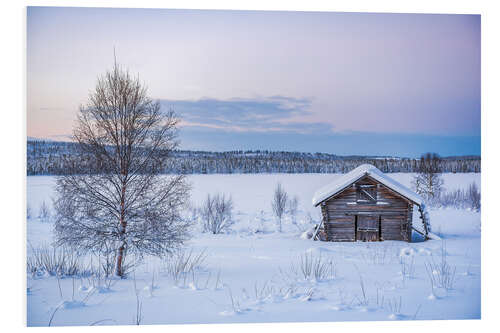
x: 254, y: 274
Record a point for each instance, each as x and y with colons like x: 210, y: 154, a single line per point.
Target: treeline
x: 56, y: 158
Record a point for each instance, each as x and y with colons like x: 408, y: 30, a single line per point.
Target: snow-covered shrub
x: 474, y: 196
x: 217, y: 213
x: 454, y: 198
x: 470, y: 198
x: 44, y: 213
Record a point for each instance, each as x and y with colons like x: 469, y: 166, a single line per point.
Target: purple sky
x: 234, y: 75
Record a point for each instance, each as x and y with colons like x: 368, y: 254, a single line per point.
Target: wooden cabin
x: 367, y: 205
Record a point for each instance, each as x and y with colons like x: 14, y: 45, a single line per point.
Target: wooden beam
x: 317, y: 231
x: 419, y: 232
x: 374, y: 213
x: 424, y: 222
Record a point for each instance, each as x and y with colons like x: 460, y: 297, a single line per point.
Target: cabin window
x: 366, y: 194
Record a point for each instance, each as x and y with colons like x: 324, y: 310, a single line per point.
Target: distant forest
x: 52, y: 158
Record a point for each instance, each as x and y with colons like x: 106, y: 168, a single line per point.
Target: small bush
x: 394, y: 305
x: 470, y: 198
x: 44, y: 213
x: 55, y: 261
x: 316, y: 268
x: 474, y: 196
x: 182, y: 263
x: 217, y: 213
x: 407, y: 266
x: 441, y: 273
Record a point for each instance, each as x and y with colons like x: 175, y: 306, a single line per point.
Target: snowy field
x: 255, y: 274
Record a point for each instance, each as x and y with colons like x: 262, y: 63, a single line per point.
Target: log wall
x: 391, y: 212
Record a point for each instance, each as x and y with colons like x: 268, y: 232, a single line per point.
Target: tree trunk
x: 123, y: 228
x: 119, y: 261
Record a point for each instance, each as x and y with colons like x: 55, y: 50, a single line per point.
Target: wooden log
x: 341, y: 225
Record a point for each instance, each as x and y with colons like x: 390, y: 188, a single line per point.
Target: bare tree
x: 124, y: 204
x: 217, y: 213
x: 279, y: 204
x: 428, y: 181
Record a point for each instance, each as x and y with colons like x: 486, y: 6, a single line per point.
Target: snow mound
x: 424, y: 251
x: 72, y: 304
x: 307, y: 234
x: 340, y: 307
x: 396, y: 316
x: 407, y: 252
x: 96, y: 289
x: 318, y: 251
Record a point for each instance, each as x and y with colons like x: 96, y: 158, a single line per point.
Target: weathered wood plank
x: 389, y: 226
x: 340, y: 218
x: 397, y: 237
x: 370, y: 207
x: 340, y: 230
x: 341, y: 225
x: 393, y: 217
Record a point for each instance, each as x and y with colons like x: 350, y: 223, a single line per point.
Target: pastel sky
x: 343, y: 83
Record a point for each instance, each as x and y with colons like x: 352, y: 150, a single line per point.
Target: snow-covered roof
x: 364, y: 170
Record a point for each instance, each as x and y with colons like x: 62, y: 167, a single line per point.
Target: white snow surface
x: 347, y: 179
x: 260, y: 271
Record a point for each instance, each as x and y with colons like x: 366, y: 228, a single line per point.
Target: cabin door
x: 367, y: 229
